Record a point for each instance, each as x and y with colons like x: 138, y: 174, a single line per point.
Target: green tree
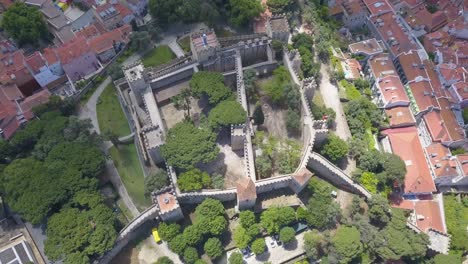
x: 264, y: 167
x: 156, y: 181
x: 140, y: 41
x: 187, y: 145
x: 192, y: 235
x: 24, y: 23
x: 362, y: 84
x: 335, y: 148
x: 241, y: 238
x: 258, y: 246
x: 28, y: 191
x: 347, y: 244
x: 164, y: 260
x: 323, y: 212
x: 168, y: 231
x: 275, y: 88
x: 293, y: 121
x: 193, y: 179
x: 250, y: 76
x: 369, y: 181
x: 89, y: 230
x: 217, y: 181
x: 210, y: 84
x: 183, y: 101
x: 190, y: 255
x: 115, y: 71
x: 314, y: 244
x: 178, y: 244
x: 247, y: 218
x: 243, y: 11
x: 379, y: 210
x: 210, y: 217
x: 213, y: 248
x: 274, y: 218
x: 287, y: 234
x: 258, y: 115
x: 227, y: 113
x: 394, y: 169
x: 236, y: 258
x: 279, y: 6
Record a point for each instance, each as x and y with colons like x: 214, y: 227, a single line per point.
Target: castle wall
x: 270, y: 184
x: 198, y: 197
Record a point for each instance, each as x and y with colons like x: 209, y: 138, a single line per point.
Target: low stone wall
x: 270, y: 184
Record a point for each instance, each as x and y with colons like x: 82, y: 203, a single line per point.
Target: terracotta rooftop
x: 452, y: 73
x: 436, y: 40
x: 378, y: 6
x: 456, y: 133
x: 367, y: 47
x: 35, y: 62
x: 428, y: 216
x: 423, y: 95
x: 106, y: 41
x: 381, y: 65
x: 412, y: 65
x: 246, y: 190
x: 123, y: 10
x: 393, y: 33
x: 73, y: 49
x: 167, y: 202
x: 392, y: 90
x: 463, y: 161
x: 400, y: 116
x: 353, y: 7
x: 88, y: 32
x: 302, y: 176
x: 435, y: 80
x: 439, y: 157
x: 38, y: 98
x: 50, y: 56
x: 405, y: 143
x: 436, y: 127
x: 461, y: 90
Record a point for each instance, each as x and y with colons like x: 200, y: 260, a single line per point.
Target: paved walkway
x: 88, y: 111
x: 178, y: 51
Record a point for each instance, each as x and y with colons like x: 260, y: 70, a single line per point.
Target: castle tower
x: 246, y: 194
x: 300, y: 179
x: 169, y: 208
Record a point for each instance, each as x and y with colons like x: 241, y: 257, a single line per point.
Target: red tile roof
x: 435, y: 80
x: 463, y: 161
x: 246, y: 190
x: 429, y: 216
x: 393, y: 33
x: 105, y: 41
x: 73, y: 49
x: 123, y: 10
x: 436, y: 127
x: 392, y: 90
x: 381, y: 65
x: 378, y: 6
x: 88, y: 32
x: 456, y: 133
x: 405, y: 143
x: 34, y: 100
x: 400, y: 116
x: 35, y: 62
x: 452, y: 73
x: 439, y: 157
x: 461, y: 89
x: 167, y: 202
x: 412, y: 65
x: 436, y: 40
x: 50, y: 56
x: 423, y: 95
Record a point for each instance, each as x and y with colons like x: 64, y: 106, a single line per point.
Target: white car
x: 272, y: 243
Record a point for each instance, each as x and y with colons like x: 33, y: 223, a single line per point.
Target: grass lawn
x: 318, y: 99
x: 126, y: 160
x: 124, y: 210
x: 185, y: 43
x: 110, y: 114
x: 159, y: 55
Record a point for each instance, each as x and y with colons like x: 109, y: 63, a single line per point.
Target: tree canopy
x: 236, y: 258
x: 258, y: 246
x: 243, y: 11
x: 87, y: 226
x: 279, y: 6
x: 347, y: 243
x: 168, y: 231
x: 193, y: 179
x: 335, y: 148
x: 274, y: 218
x: 227, y: 113
x: 156, y: 181
x: 24, y: 23
x: 188, y: 11
x: 213, y: 248
x: 210, y: 217
x: 287, y: 234
x: 210, y: 84
x: 187, y: 145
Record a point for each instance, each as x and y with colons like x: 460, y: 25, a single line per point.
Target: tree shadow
x: 263, y: 257
x: 291, y: 245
